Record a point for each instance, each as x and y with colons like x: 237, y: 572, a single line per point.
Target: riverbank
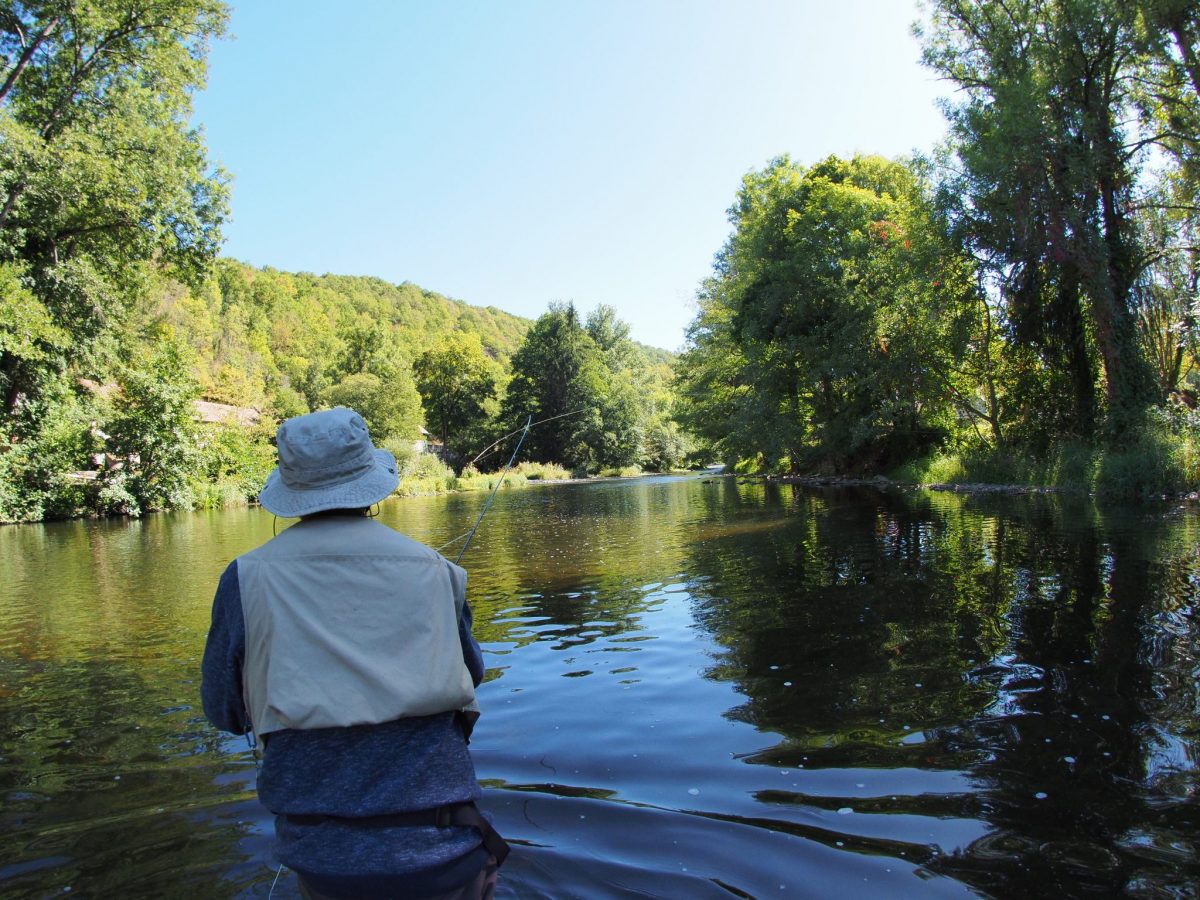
x: 882, y: 481
x: 1148, y: 467
x: 421, y: 475
x: 432, y: 483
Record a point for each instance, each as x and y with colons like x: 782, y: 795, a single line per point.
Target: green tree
x: 1168, y: 289
x: 458, y: 383
x: 1050, y: 148
x: 101, y: 178
x: 153, y: 434
x: 391, y: 409
x: 561, y: 374
x: 830, y: 334
x: 665, y: 447
x: 1166, y: 85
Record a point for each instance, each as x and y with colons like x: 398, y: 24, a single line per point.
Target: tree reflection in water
x: 1030, y: 663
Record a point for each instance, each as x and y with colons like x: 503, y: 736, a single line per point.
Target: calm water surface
x: 696, y: 688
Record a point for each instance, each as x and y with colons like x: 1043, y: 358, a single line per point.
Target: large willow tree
x: 1060, y: 101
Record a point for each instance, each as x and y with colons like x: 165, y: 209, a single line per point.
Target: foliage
x: 1050, y: 148
x: 50, y: 438
x: 1168, y: 287
x: 471, y: 479
x: 153, y: 437
x: 101, y: 179
x: 233, y: 463
x: 620, y: 472
x: 586, y: 394
x: 428, y: 475
x: 1154, y: 461
x: 831, y: 333
x: 458, y: 383
x: 535, y: 471
x: 390, y: 408
x: 666, y: 447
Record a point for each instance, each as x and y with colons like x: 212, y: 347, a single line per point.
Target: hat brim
x: 358, y: 493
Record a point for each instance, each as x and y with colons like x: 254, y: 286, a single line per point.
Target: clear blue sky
x: 516, y: 153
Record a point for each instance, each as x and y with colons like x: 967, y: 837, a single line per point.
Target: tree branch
x: 26, y: 56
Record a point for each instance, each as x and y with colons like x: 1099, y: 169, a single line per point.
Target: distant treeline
x: 120, y: 433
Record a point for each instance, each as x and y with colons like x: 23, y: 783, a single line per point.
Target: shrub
x: 621, y: 472
x: 428, y: 476
x: 234, y: 463
x: 472, y: 480
x: 535, y: 471
x: 407, y: 456
x: 1151, y: 462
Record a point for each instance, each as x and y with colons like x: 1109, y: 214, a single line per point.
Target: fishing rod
x: 529, y: 423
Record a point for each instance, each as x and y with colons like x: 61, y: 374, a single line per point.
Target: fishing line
x: 524, y: 430
x: 483, y: 512
x: 527, y: 426
x: 278, y: 872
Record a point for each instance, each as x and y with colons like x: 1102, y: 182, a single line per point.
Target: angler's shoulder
x: 402, y: 544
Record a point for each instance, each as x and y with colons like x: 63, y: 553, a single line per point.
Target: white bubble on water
x: 845, y: 811
x: 694, y: 791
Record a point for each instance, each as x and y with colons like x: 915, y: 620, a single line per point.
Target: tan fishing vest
x: 349, y: 623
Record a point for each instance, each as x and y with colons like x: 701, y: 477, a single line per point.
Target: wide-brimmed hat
x: 327, y: 461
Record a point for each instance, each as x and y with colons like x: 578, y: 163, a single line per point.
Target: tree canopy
x: 830, y: 333
x: 102, y: 179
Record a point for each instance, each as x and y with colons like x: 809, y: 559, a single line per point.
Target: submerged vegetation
x: 1020, y: 305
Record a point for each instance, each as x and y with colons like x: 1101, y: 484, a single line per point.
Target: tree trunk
x: 1079, y: 361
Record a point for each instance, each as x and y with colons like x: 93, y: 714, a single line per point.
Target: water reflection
x: 1022, y: 666
x: 696, y: 688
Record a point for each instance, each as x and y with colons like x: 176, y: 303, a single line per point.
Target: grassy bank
x: 1157, y: 460
x: 427, y: 475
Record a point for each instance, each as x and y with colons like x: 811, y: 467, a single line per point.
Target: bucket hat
x: 327, y: 461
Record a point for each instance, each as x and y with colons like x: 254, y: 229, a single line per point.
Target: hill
x: 261, y: 333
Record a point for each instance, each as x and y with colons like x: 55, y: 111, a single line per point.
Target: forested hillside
x: 265, y: 338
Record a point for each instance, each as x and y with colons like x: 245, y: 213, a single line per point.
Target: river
x: 696, y: 688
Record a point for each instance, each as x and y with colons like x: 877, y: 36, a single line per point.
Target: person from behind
x: 346, y: 648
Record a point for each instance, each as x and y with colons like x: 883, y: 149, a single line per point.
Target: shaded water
x: 696, y: 689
